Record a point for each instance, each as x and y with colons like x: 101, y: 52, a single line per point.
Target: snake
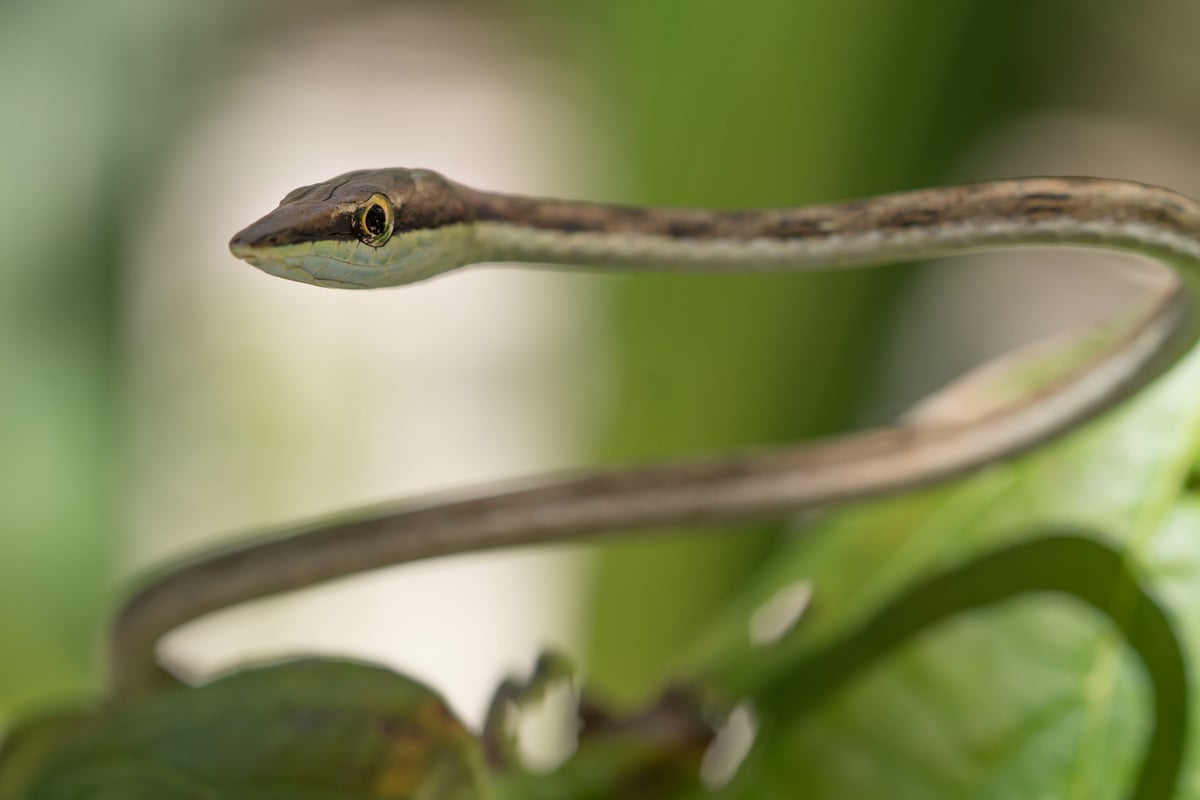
x: 388, y: 227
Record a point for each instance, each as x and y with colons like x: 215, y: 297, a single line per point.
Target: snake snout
x: 257, y: 236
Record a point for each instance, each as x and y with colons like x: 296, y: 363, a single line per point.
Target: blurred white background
x: 257, y: 402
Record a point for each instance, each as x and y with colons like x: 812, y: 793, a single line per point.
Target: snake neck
x: 1080, y: 211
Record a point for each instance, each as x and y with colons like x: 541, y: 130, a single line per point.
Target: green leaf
x: 319, y: 729
x: 1029, y: 699
x: 1099, y: 576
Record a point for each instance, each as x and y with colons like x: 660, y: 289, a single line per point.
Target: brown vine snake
x: 387, y: 227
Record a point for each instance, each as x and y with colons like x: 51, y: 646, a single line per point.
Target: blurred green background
x: 699, y: 102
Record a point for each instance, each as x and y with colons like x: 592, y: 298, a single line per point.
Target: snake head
x: 363, y: 229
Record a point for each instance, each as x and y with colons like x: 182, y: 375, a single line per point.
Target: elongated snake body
x: 376, y: 228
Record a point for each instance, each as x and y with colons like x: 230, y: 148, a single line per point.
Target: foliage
x: 928, y: 617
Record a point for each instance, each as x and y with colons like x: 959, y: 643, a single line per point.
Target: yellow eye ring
x: 375, y: 220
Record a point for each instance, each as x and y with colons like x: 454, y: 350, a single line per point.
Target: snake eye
x: 375, y: 220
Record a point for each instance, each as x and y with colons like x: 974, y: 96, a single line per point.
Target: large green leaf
x: 1029, y: 699
x: 1100, y: 576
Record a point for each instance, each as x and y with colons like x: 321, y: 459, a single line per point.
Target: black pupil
x: 375, y: 220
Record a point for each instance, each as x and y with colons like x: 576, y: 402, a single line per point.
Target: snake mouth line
x: 333, y: 283
x: 290, y: 269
